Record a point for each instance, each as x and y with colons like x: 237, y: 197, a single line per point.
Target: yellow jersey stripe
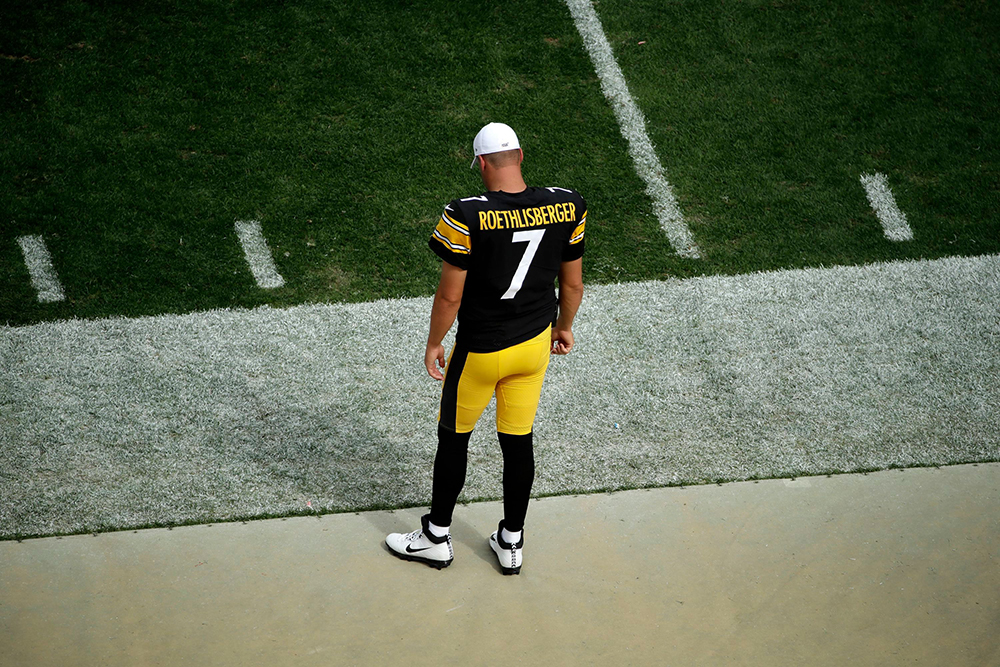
x: 451, y: 222
x: 458, y: 246
x: 578, y: 232
x: 454, y: 234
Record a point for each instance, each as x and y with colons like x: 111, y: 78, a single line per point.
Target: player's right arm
x: 570, y: 298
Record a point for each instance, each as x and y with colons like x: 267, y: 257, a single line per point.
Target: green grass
x: 767, y: 113
x: 136, y: 134
x: 142, y: 136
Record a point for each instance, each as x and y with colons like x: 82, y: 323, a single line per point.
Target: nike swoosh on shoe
x: 411, y: 550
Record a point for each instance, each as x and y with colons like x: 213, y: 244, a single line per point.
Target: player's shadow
x: 475, y: 540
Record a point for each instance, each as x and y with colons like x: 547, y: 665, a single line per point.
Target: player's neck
x: 505, y: 179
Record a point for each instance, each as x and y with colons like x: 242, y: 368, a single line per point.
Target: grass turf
x: 136, y: 135
x: 767, y: 113
x: 142, y: 135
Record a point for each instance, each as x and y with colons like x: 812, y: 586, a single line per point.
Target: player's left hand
x: 434, y: 360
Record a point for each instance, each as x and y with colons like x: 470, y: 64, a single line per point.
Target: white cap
x: 493, y: 138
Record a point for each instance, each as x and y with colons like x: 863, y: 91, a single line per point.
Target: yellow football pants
x: 514, y: 374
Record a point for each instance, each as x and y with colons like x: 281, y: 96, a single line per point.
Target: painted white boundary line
x: 39, y: 263
x: 633, y: 126
x: 231, y: 413
x: 258, y: 254
x: 880, y: 197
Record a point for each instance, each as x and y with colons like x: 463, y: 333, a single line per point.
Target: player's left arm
x: 447, y: 301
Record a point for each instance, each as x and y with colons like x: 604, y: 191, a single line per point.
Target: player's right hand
x: 562, y: 341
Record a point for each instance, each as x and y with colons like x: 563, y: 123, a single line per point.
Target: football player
x: 502, y: 252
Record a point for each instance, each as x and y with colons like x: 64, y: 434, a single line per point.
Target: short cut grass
x: 137, y: 134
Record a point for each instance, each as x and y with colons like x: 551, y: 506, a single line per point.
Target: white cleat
x: 422, y: 546
x: 509, y: 555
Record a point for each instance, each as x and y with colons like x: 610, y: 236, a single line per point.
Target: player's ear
x: 521, y: 159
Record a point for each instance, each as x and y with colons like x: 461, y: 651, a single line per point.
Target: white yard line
x: 884, y: 204
x: 43, y: 274
x: 258, y: 254
x: 633, y: 127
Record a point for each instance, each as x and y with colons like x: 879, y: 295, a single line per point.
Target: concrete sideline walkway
x: 889, y: 568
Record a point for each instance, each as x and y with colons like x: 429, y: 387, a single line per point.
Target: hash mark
x: 43, y: 274
x: 258, y: 254
x: 894, y: 224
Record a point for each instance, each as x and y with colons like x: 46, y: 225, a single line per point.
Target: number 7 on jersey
x: 533, y: 239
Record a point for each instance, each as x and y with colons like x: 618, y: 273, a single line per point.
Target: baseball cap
x: 493, y: 138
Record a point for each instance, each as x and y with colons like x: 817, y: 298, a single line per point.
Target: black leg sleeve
x: 518, y: 476
x: 449, y: 474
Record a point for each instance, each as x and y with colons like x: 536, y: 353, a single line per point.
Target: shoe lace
x: 415, y: 535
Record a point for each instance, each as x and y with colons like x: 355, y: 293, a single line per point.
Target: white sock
x: 438, y: 531
x: 509, y: 537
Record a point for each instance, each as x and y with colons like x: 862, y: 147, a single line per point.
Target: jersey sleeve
x: 574, y: 248
x: 450, y: 240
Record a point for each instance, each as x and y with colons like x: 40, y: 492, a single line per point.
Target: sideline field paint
x: 258, y: 254
x: 633, y: 127
x: 225, y: 414
x: 43, y: 274
x: 884, y: 204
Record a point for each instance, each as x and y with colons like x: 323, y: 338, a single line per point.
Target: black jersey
x: 512, y: 246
